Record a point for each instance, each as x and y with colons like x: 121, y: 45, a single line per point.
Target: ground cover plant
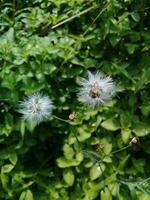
x: 74, y: 100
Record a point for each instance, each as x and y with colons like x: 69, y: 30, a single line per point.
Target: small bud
x: 135, y: 140
x: 93, y: 125
x: 72, y: 116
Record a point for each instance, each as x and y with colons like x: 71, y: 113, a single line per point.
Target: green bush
x: 47, y: 46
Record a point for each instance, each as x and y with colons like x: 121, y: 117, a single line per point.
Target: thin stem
x: 71, y: 18
x: 144, y: 181
x: 14, y: 5
x: 121, y: 149
x: 25, y: 186
x: 63, y: 120
x: 67, y: 121
x: 99, y: 14
x: 78, y: 43
x: 142, y: 189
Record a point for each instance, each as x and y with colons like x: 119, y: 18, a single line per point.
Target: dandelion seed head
x: 36, y: 108
x: 96, y: 89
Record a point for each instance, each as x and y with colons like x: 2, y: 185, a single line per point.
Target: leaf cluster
x: 47, y: 46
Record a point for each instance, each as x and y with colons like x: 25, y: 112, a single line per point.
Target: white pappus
x: 36, y: 108
x: 96, y: 89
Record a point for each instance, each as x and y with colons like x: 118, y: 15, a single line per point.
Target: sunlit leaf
x: 26, y: 195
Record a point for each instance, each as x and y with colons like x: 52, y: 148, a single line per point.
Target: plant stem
x: 144, y: 181
x: 121, y: 149
x: 71, y: 18
x: 63, y: 120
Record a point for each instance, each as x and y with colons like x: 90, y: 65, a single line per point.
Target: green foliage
x: 47, y: 46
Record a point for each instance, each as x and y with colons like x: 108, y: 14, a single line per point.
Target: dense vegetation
x: 104, y: 153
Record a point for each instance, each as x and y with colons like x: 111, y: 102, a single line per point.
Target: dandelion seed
x: 96, y: 89
x: 36, y: 108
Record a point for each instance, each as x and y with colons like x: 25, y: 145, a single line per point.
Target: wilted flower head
x: 135, y: 140
x: 36, y: 108
x: 96, y: 89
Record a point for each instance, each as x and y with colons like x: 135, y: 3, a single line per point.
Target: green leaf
x: 125, y: 134
x: 26, y: 195
x: 107, y: 181
x: 10, y: 81
x: 96, y: 171
x: 107, y: 146
x: 4, y: 180
x: 7, y: 168
x: 145, y: 109
x: 68, y: 152
x: 144, y: 79
x: 122, y: 164
x: 114, y: 189
x: 141, y: 128
x: 79, y: 156
x: 114, y: 39
x: 131, y: 47
x: 13, y: 157
x: 106, y: 194
x: 125, y: 119
x: 111, y: 124
x: 10, y: 35
x: 135, y: 16
x: 84, y: 133
x: 30, y: 126
x: 74, y: 71
x: 68, y: 176
x: 35, y: 55
x: 144, y: 196
x: 132, y: 191
x: 63, y: 162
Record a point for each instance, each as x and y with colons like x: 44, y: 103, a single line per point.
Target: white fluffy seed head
x: 36, y: 108
x: 96, y: 89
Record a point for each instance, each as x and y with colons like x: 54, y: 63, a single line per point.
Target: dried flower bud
x: 93, y: 125
x: 99, y: 147
x: 72, y: 116
x: 135, y: 140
